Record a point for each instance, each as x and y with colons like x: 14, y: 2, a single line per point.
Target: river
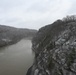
x: 16, y: 59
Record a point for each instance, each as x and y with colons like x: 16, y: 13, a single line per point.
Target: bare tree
x: 71, y: 18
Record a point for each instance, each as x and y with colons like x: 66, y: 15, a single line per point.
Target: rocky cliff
x: 55, y: 49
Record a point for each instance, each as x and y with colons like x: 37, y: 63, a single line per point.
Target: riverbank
x: 11, y: 35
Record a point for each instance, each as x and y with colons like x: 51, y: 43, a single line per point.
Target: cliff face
x: 55, y: 49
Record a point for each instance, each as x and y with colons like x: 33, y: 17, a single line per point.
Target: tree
x: 71, y: 18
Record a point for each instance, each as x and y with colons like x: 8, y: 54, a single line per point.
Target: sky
x: 34, y: 14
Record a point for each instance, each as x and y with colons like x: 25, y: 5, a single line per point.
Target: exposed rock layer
x: 55, y: 49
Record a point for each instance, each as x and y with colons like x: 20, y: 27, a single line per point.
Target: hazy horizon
x: 34, y: 14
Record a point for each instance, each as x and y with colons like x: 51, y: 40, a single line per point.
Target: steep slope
x: 55, y: 49
x: 10, y: 35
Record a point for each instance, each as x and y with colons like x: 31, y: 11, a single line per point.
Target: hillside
x: 11, y: 35
x: 55, y: 49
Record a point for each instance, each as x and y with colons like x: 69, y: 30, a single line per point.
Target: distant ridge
x: 11, y: 35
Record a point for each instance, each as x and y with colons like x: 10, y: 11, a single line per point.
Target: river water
x: 16, y: 59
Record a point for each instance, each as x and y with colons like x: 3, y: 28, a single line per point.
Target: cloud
x: 33, y: 13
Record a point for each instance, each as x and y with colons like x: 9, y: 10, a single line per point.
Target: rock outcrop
x: 55, y: 49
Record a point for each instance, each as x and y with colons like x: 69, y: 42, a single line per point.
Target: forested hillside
x: 10, y: 35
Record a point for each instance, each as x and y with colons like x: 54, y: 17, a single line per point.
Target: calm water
x: 16, y: 59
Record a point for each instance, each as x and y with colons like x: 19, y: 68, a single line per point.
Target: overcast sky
x: 34, y: 14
